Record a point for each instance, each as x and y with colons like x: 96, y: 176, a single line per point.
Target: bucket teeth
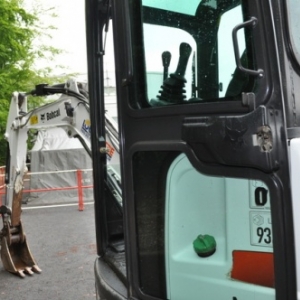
x: 21, y: 273
x: 36, y: 269
x: 28, y: 271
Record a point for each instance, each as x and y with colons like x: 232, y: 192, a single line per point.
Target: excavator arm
x: 70, y: 112
x: 15, y: 253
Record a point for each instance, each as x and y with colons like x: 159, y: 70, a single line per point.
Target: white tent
x: 54, y: 139
x: 54, y: 152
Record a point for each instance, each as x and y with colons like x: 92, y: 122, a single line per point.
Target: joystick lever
x: 172, y: 90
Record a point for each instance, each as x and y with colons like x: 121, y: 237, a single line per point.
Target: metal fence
x: 80, y: 184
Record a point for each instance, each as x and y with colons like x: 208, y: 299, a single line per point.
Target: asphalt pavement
x: 62, y: 241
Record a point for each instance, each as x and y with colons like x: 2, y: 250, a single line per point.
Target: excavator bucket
x: 15, y: 253
x: 17, y: 258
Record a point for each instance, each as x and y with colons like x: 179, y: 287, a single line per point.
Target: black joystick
x: 166, y: 59
x: 172, y: 90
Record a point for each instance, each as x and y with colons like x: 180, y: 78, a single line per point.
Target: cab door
x: 204, y: 152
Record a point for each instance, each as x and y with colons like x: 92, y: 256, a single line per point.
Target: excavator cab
x: 207, y: 99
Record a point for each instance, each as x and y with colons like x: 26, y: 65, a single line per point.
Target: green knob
x: 205, y: 245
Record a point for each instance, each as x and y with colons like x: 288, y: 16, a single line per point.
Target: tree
x: 19, y: 31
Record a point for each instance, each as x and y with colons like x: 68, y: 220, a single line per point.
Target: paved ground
x: 62, y: 241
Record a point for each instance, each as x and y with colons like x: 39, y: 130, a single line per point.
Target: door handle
x: 250, y: 23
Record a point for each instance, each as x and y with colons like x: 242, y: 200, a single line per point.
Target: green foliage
x: 20, y: 31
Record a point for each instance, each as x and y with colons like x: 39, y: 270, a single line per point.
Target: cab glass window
x: 294, y: 26
x: 189, y: 54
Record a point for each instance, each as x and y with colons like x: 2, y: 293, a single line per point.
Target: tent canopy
x: 55, y: 151
x: 55, y: 139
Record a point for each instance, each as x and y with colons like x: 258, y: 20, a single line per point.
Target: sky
x: 69, y: 35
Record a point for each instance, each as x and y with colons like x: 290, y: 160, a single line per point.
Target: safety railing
x: 2, y: 177
x: 2, y: 182
x: 80, y: 184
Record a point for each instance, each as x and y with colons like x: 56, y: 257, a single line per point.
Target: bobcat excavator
x: 70, y: 112
x: 208, y: 96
